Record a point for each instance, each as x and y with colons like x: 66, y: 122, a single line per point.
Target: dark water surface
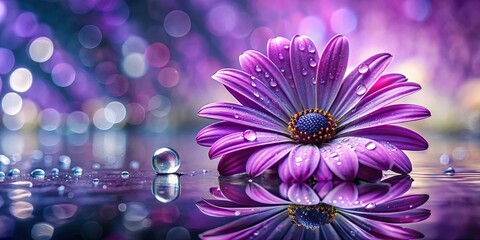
x: 146, y: 206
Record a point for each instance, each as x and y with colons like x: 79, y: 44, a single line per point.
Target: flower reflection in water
x: 326, y: 210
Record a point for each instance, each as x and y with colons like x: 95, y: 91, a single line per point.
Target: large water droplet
x: 363, y: 68
x: 312, y: 62
x: 301, y: 47
x: 77, y: 171
x: 311, y: 49
x: 165, y: 160
x: 125, y: 174
x: 361, y: 89
x: 14, y: 173
x: 304, y: 72
x: 273, y: 83
x: 166, y: 187
x: 280, y: 56
x: 250, y: 135
x: 449, y: 171
x: 371, y: 205
x: 370, y: 145
x: 64, y: 162
x: 38, y: 173
x: 258, y: 68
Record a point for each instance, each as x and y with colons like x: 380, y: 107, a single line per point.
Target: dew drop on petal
x: 311, y: 49
x: 361, y: 89
x: 286, y: 46
x: 304, y: 72
x: 267, y: 75
x: 280, y: 56
x: 370, y: 145
x: 253, y: 84
x: 165, y: 160
x: 301, y: 47
x: 235, y: 115
x: 273, y: 83
x: 125, y: 174
x: 237, y: 213
x: 312, y: 62
x: 334, y: 155
x: 38, y: 173
x: 258, y: 68
x: 363, y: 68
x: 371, y: 205
x: 256, y: 94
x: 250, y: 135
x: 331, y: 76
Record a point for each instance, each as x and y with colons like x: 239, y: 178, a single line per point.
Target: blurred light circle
x: 100, y: 121
x: 41, y: 49
x: 78, y: 122
x: 243, y: 27
x: 10, y: 149
x: 168, y: 77
x: 11, y: 103
x: 21, y: 209
x: 260, y: 37
x: 30, y: 112
x: 417, y: 10
x: 42, y: 231
x: 221, y: 20
x: 7, y: 60
x: 13, y: 123
x: 343, y: 21
x: 90, y: 36
x: 312, y: 27
x: 134, y: 44
x: 178, y: 233
x: 118, y: 16
x: 21, y: 80
x: 157, y: 55
x: 115, y: 112
x: 177, y: 23
x: 159, y: 106
x: 134, y: 65
x: 63, y: 74
x: 3, y: 11
x: 50, y: 119
x: 25, y: 24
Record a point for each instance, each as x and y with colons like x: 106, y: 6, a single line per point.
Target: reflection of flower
x: 299, y: 114
x: 328, y: 211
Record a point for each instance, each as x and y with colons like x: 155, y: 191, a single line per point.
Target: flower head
x: 334, y: 210
x: 298, y: 114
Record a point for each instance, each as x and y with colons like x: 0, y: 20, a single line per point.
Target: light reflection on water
x: 148, y: 206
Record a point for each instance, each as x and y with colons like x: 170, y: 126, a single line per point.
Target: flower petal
x: 387, y: 115
x: 234, y: 163
x: 266, y: 157
x: 379, y: 99
x: 244, y: 116
x: 323, y: 173
x: 385, y: 81
x: 254, y: 90
x: 341, y: 160
x: 302, y: 194
x: 343, y: 195
x: 261, y: 195
x: 412, y: 216
x: 262, y: 68
x: 358, y: 82
x: 304, y: 61
x: 219, y: 208
x: 399, y: 204
x: 349, y: 230
x: 211, y: 133
x: 401, y: 162
x: 284, y: 171
x: 369, y: 174
x: 303, y: 161
x: 278, y: 51
x: 401, y: 137
x: 331, y: 71
x: 236, y: 141
x: 369, y: 152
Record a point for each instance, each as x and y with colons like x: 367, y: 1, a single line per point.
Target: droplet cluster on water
x: 165, y: 160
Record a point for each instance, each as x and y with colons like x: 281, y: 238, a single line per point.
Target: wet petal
x: 349, y: 230
x: 263, y: 69
x: 387, y: 115
x: 284, y: 171
x: 385, y: 81
x: 221, y: 208
x: 304, y: 61
x: 234, y: 163
x: 303, y: 161
x: 236, y: 142
x: 399, y: 204
x: 211, y: 133
x: 331, y: 71
x: 244, y: 116
x: 261, y: 195
x: 369, y: 152
x: 255, y: 91
x: 412, y: 216
x: 369, y: 174
x: 343, y: 195
x: 302, y: 194
x: 341, y: 160
x: 266, y: 157
x: 323, y: 188
x: 358, y: 82
x: 323, y: 173
x: 401, y: 162
x: 401, y: 137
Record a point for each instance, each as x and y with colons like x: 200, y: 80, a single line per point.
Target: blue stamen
x: 311, y: 123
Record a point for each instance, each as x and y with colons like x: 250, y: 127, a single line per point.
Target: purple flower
x: 299, y: 115
x: 330, y: 210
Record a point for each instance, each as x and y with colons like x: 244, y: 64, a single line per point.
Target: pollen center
x: 312, y: 126
x: 311, y: 217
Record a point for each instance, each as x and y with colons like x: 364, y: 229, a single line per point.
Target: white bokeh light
x: 21, y: 80
x: 11, y: 103
x: 41, y: 49
x: 115, y: 112
x: 134, y: 65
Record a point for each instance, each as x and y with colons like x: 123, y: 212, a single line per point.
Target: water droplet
x: 256, y: 94
x: 363, y: 68
x: 253, y: 84
x: 267, y: 75
x: 2, y: 176
x: 237, y: 213
x: 204, y: 171
x: 258, y: 68
x: 38, y: 173
x: 331, y: 76
x: 361, y: 89
x: 14, y: 173
x: 449, y: 171
x: 371, y: 205
x: 304, y: 72
x: 280, y: 56
x: 301, y: 47
x: 273, y: 83
x: 282, y: 70
x: 370, y: 145
x: 250, y: 135
x: 253, y: 78
x: 353, y: 233
x: 235, y: 115
x: 64, y: 162
x: 339, y: 163
x: 165, y: 160
x: 445, y: 159
x: 125, y: 174
x: 312, y: 62
x: 311, y: 48
x: 77, y: 171
x: 166, y: 187
x: 286, y: 46
x: 334, y: 155
x: 55, y: 171
x: 314, y: 80
x: 95, y: 181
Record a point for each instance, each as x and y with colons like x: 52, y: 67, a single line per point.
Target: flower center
x: 312, y: 126
x: 311, y: 217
